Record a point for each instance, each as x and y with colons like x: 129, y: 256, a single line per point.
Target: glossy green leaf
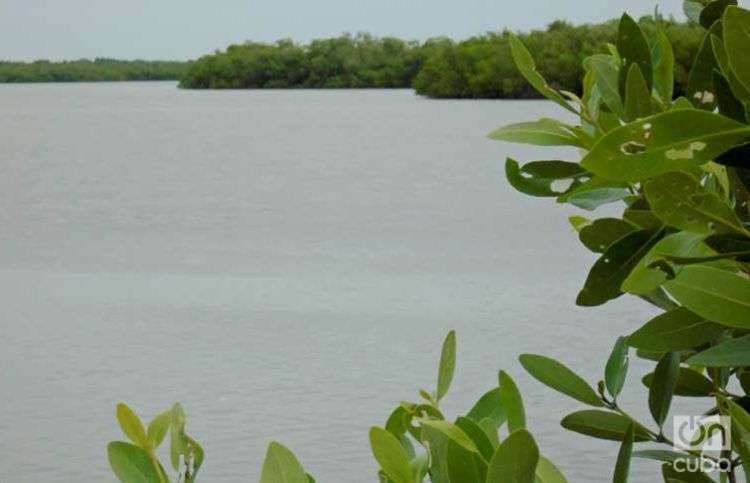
x: 600, y: 234
x: 671, y: 141
x: 717, y: 295
x: 680, y: 201
x: 606, y: 77
x: 634, y: 49
x: 602, y: 425
x: 689, y: 383
x: 510, y: 398
x: 158, y: 427
x: 131, y: 425
x: 678, y: 329
x: 736, y: 42
x: 617, y: 367
x: 447, y: 365
x: 560, y: 378
x: 281, y: 466
x: 637, y: 95
x: 662, y: 386
x: 644, y: 278
x: 391, y: 456
x: 622, y: 466
x: 131, y: 464
x: 612, y: 268
x: 515, y: 460
x: 731, y: 353
x: 544, y: 132
x: 525, y: 64
x: 662, y: 57
x: 594, y: 193
x: 533, y: 184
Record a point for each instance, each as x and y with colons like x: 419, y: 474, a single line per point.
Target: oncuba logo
x: 704, y: 434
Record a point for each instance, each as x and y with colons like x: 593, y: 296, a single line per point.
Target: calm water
x: 285, y: 264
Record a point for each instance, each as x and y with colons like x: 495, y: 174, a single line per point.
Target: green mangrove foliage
x: 682, y: 171
x: 137, y: 462
x: 91, y: 70
x: 479, y: 67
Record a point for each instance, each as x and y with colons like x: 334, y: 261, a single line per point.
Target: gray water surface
x: 285, y: 264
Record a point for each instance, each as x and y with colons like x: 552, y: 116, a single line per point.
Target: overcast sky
x: 183, y: 29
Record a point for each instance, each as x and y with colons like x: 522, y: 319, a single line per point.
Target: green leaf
x: 728, y: 104
x: 594, y: 193
x: 622, y: 467
x: 602, y: 425
x: 714, y: 11
x: 700, y: 88
x: 447, y: 365
x: 606, y: 78
x: 671, y: 141
x: 602, y: 233
x: 131, y: 464
x: 544, y: 132
x: 662, y: 386
x: 560, y: 378
x: 489, y: 406
x: 678, y: 329
x: 736, y: 42
x: 522, y: 179
x: 617, y: 367
x: 131, y: 425
x: 477, y: 435
x: 637, y: 95
x: 645, y: 278
x: 690, y: 383
x: 390, y: 455
x: 464, y: 465
x: 578, y: 222
x: 177, y: 432
x: 515, y: 460
x: 452, y: 432
x: 525, y: 64
x: 547, y: 472
x: 633, y: 47
x: 717, y: 295
x: 680, y: 201
x: 731, y: 353
x: 612, y: 268
x: 511, y: 401
x: 662, y: 56
x: 661, y: 455
x: 281, y: 466
x: 158, y: 427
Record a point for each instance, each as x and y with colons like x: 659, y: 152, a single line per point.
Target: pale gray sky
x: 182, y: 29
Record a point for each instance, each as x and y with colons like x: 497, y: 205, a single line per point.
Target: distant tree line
x: 100, y: 69
x: 478, y: 67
